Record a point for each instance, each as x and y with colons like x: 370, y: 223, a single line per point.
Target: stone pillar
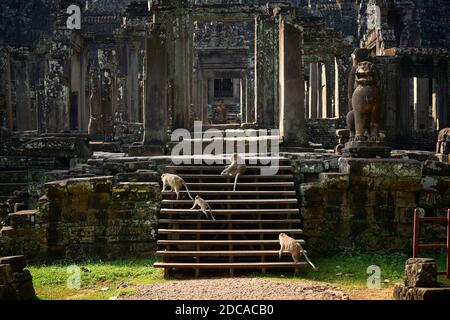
x: 23, y: 113
x: 341, y: 101
x: 442, y: 96
x: 181, y: 73
x: 206, y: 86
x: 133, y: 83
x: 84, y: 93
x: 421, y: 103
x: 291, y: 85
x: 329, y: 87
x: 243, y: 98
x: 313, y: 90
x: 266, y: 73
x: 434, y: 110
x: 404, y: 110
x: 155, y: 110
x: 95, y: 126
x: 320, y: 91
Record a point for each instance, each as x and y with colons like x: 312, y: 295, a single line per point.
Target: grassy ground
x: 99, y: 280
x: 106, y: 280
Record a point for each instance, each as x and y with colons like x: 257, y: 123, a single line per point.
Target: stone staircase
x: 248, y: 221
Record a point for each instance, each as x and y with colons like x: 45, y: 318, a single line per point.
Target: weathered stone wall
x: 89, y: 218
x: 323, y: 131
x: 417, y: 140
x: 369, y: 204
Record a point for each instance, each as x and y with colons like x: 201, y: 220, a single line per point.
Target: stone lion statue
x: 364, y: 121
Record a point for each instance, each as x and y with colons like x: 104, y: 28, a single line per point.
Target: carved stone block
x: 420, y: 272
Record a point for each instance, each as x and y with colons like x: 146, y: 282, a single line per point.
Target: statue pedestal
x: 366, y: 149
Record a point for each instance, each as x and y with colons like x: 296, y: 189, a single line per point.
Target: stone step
x: 235, y: 201
x: 230, y: 222
x: 230, y: 265
x: 227, y: 253
x: 232, y: 193
x: 221, y: 159
x: 253, y: 185
x: 229, y: 231
x: 243, y: 178
x: 287, y: 211
x: 218, y: 168
x: 222, y: 242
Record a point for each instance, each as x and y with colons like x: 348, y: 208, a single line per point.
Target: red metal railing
x: 416, y: 235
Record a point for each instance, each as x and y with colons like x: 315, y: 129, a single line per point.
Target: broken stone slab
x: 420, y: 272
x: 357, y: 149
x: 395, y: 168
x: 139, y: 176
x: 439, y: 293
x: 415, y: 155
x: 115, y: 167
x: 146, y: 150
x: 58, y: 147
x: 137, y: 165
x: 436, y: 168
x: 17, y: 263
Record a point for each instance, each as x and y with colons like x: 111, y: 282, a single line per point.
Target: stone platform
x: 420, y: 282
x: 440, y: 292
x: 366, y: 149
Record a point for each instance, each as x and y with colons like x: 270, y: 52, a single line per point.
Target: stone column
x: 341, y: 101
x: 320, y: 89
x: 205, y: 97
x: 292, y: 112
x: 421, y: 103
x: 313, y: 90
x: 7, y: 89
x: 442, y: 96
x: 95, y: 126
x: 266, y: 73
x: 84, y: 93
x: 155, y: 105
x: 23, y: 112
x: 133, y: 82
x: 329, y: 88
x: 244, y: 104
x: 181, y: 73
x: 404, y: 110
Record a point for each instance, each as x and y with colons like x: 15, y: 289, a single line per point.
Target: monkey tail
x: 235, y: 182
x: 187, y: 189
x: 309, y: 261
x: 210, y: 212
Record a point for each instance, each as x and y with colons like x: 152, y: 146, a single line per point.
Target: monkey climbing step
x: 248, y: 221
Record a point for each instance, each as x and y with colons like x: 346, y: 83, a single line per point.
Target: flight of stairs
x: 248, y: 221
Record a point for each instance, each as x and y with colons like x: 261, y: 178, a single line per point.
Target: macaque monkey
x: 175, y: 182
x: 236, y: 168
x: 291, y: 245
x: 203, y: 206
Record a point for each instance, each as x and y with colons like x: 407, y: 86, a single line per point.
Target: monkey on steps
x: 236, y: 168
x: 204, y: 206
x: 296, y: 250
x: 175, y: 182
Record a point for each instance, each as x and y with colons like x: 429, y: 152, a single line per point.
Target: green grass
x: 347, y: 270
x: 50, y: 281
